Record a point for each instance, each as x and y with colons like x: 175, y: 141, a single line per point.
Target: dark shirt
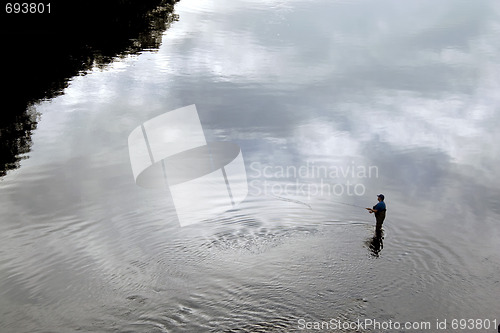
x: 380, y: 207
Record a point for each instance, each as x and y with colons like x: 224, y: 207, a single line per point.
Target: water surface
x: 409, y: 90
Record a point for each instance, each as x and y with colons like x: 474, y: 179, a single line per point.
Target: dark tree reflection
x: 41, y: 53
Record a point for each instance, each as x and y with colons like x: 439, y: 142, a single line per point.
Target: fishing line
x: 291, y: 200
x: 348, y: 204
x: 309, y: 206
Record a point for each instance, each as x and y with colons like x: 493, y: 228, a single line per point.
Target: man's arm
x: 374, y: 209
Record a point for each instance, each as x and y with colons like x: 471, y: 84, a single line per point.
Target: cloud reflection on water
x: 410, y: 88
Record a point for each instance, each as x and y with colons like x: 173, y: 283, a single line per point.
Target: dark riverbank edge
x: 43, y: 51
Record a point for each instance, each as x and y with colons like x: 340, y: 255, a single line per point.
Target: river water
x: 331, y: 103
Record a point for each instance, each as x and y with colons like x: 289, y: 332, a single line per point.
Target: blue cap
x: 381, y: 196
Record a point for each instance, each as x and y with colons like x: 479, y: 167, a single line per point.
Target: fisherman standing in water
x: 379, y: 210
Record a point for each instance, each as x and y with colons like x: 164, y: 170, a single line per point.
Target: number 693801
x: 27, y: 8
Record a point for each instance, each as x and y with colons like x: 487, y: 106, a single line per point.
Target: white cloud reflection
x: 340, y: 75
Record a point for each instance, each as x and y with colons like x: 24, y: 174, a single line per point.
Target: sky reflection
x: 411, y: 88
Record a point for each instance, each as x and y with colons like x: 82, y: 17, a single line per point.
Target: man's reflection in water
x: 376, y: 243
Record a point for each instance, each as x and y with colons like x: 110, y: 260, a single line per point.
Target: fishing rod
x: 348, y: 204
x: 309, y: 206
